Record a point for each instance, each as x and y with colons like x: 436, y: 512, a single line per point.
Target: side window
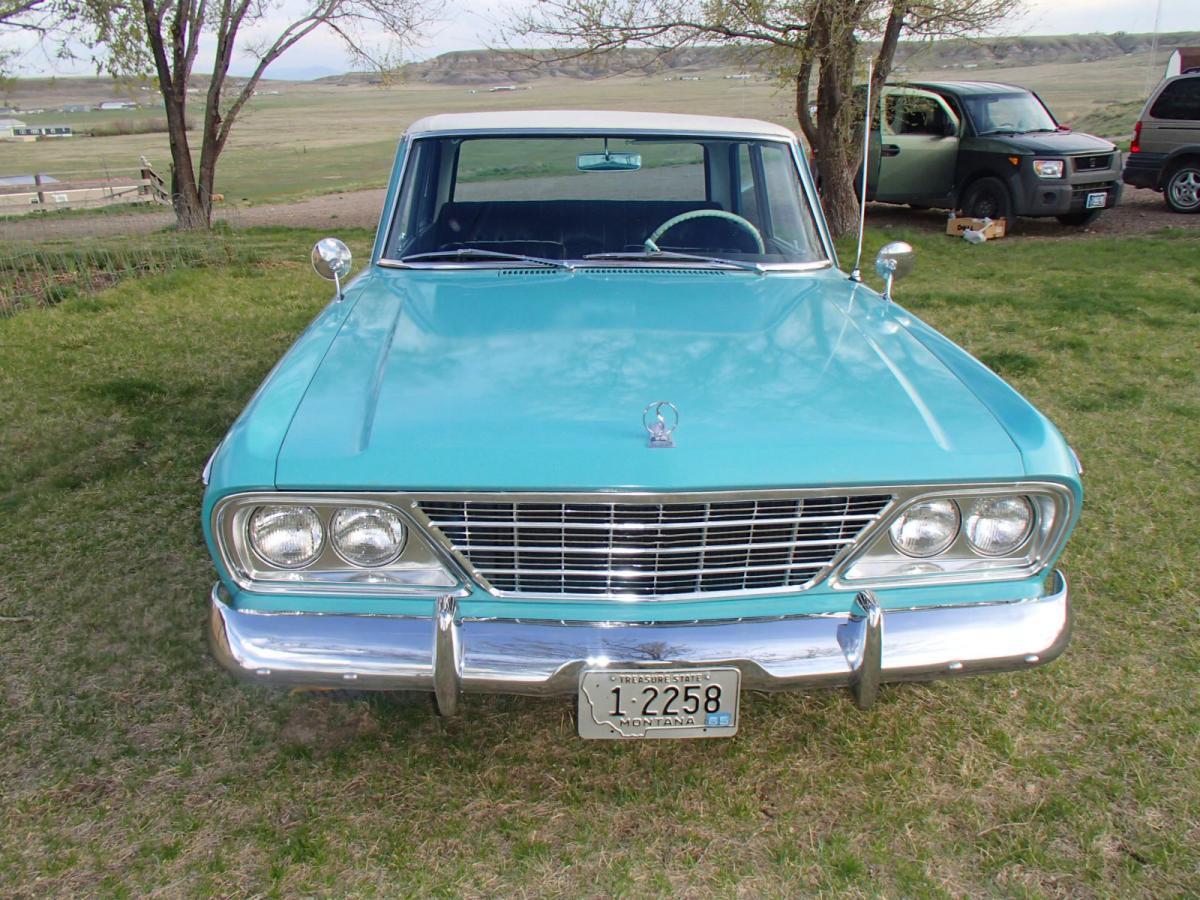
x: 747, y: 199
x: 418, y: 194
x: 913, y: 114
x: 791, y: 221
x: 1178, y: 100
x: 893, y: 109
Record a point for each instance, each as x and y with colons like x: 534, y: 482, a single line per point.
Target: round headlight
x: 367, y: 536
x: 996, y: 526
x: 289, y: 537
x: 926, y: 529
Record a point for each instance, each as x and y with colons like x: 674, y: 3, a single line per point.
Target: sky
x: 474, y: 25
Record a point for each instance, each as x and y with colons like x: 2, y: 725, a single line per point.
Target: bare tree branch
x: 165, y: 37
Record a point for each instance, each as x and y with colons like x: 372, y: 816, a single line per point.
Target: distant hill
x: 492, y: 67
x: 501, y: 67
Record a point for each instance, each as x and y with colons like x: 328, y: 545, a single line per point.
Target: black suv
x: 991, y: 150
x: 1165, y: 153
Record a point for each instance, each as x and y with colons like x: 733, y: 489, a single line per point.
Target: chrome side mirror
x: 331, y: 260
x: 895, y: 260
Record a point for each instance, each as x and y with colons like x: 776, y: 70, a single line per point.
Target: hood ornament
x: 660, y: 431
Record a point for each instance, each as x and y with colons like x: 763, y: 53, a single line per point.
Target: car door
x: 914, y: 147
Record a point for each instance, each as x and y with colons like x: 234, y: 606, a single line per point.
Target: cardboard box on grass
x: 991, y: 228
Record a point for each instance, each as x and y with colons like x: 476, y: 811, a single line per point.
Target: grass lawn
x: 132, y: 764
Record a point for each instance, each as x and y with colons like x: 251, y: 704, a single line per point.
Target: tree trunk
x: 191, y: 210
x: 838, y: 196
x: 836, y: 135
x: 832, y: 135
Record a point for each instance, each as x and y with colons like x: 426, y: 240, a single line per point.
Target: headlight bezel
x: 876, y: 563
x: 1057, y: 168
x: 421, y: 568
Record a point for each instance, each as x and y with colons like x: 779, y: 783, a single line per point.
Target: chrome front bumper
x: 451, y: 655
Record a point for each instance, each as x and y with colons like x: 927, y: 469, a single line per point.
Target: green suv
x: 990, y: 150
x: 1165, y: 153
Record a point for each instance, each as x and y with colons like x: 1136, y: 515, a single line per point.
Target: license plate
x: 1097, y: 200
x: 658, y: 703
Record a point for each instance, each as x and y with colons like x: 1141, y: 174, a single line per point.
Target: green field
x: 316, y: 137
x: 132, y: 765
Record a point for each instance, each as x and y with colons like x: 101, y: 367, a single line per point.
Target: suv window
x: 912, y: 114
x: 1018, y: 113
x: 1178, y: 100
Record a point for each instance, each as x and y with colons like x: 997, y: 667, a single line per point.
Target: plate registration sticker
x: 658, y: 703
x: 1098, y: 200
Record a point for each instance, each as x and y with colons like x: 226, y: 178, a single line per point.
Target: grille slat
x: 655, y: 551
x: 640, y: 550
x: 716, y: 522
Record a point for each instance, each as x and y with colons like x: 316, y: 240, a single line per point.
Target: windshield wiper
x: 465, y: 253
x: 680, y: 257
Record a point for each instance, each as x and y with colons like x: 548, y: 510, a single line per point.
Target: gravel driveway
x: 1140, y: 211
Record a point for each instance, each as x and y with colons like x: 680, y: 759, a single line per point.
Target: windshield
x: 1012, y: 113
x: 544, y: 200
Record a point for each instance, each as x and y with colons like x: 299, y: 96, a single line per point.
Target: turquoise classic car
x: 603, y: 418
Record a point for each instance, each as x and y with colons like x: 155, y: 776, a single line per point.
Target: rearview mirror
x: 895, y: 260
x: 608, y: 162
x: 331, y: 260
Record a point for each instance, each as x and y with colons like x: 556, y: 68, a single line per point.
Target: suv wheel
x: 1079, y: 219
x: 1182, y: 190
x: 987, y: 198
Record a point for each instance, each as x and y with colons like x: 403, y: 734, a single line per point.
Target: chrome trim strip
x: 657, y: 573
x: 653, y: 551
x: 860, y: 650
x: 672, y: 525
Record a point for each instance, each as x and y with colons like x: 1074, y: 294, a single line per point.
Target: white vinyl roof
x: 595, y: 122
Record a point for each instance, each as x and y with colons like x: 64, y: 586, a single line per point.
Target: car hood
x: 1060, y: 142
x: 537, y: 379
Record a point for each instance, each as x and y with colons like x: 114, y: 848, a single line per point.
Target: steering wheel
x: 652, y: 247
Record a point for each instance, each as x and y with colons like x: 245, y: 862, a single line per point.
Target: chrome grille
x: 580, y: 548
